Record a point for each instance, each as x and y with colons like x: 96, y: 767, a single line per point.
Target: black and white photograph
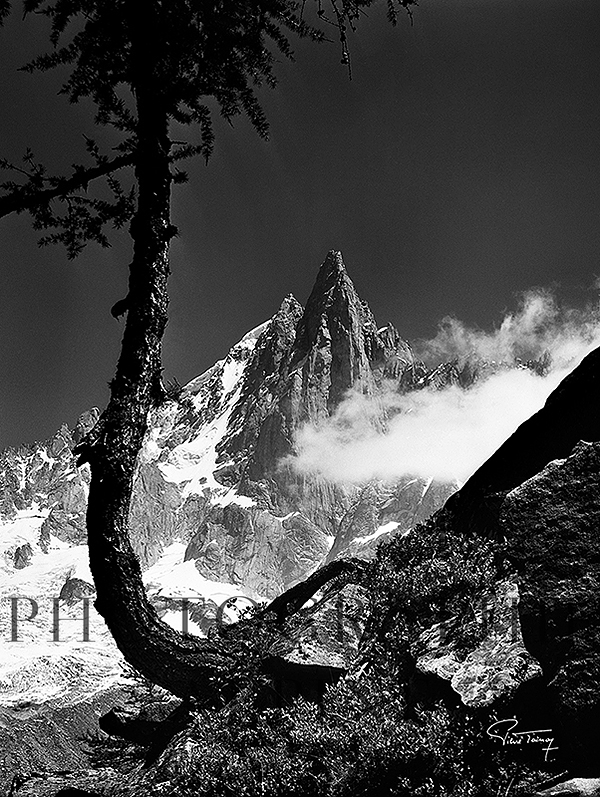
x: 300, y: 398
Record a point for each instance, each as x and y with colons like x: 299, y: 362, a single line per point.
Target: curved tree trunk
x: 178, y: 662
x: 172, y: 660
x: 183, y: 664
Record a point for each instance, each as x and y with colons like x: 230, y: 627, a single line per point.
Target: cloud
x: 447, y: 434
x: 538, y: 325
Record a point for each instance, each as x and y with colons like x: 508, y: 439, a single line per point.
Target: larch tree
x: 149, y: 67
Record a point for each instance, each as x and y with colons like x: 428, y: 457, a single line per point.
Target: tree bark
x: 345, y: 570
x: 181, y: 663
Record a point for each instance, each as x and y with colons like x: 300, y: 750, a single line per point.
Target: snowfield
x: 44, y: 656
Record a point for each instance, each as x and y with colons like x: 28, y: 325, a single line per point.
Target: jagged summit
x: 333, y: 289
x: 333, y: 296
x: 332, y: 277
x: 289, y: 303
x: 289, y: 308
x: 333, y: 264
x: 338, y: 322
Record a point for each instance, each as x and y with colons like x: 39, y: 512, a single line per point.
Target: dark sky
x: 460, y: 166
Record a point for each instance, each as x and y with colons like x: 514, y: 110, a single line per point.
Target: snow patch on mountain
x: 386, y: 528
x: 212, y: 395
x: 24, y: 529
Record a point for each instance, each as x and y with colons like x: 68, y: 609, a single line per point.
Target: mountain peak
x: 333, y: 302
x: 337, y: 321
x: 333, y: 264
x: 332, y: 279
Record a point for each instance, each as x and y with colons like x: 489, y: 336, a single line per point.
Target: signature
x: 504, y: 731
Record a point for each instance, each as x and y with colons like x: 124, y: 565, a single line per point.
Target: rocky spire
x: 335, y: 319
x: 303, y: 365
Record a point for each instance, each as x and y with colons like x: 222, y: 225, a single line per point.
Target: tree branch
x: 352, y: 570
x: 24, y: 199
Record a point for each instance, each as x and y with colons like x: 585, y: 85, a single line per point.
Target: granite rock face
x: 552, y: 526
x: 538, y: 498
x: 251, y: 546
x: 496, y: 667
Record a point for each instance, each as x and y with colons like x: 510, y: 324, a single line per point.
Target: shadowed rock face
x: 22, y: 556
x: 569, y: 415
x: 254, y: 548
x: 552, y: 526
x: 335, y: 319
x: 262, y: 384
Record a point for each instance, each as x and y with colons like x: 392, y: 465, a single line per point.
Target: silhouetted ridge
x: 571, y: 414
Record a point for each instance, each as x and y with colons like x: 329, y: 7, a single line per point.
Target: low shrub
x: 358, y: 743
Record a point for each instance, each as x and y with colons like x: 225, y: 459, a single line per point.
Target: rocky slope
x: 497, y: 594
x: 538, y: 498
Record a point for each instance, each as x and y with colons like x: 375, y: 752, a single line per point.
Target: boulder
x: 552, y: 526
x: 495, y: 667
x: 321, y: 647
x: 75, y: 589
x: 22, y: 556
x: 575, y: 787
